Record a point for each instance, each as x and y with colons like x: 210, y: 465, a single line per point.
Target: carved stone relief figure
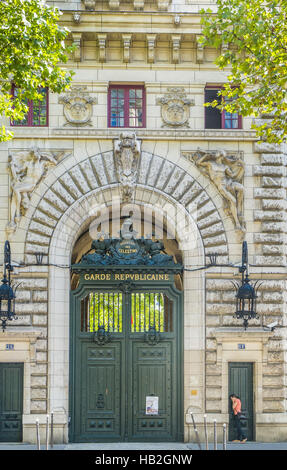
x: 27, y: 168
x: 226, y: 172
x: 127, y: 154
x: 175, y: 108
x: 78, y: 106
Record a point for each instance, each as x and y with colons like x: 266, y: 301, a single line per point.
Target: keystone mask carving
x: 175, y: 108
x: 78, y: 107
x: 226, y: 172
x: 27, y: 168
x: 127, y: 151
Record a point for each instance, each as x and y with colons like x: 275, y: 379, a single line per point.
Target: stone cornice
x: 133, y: 21
x: 146, y: 134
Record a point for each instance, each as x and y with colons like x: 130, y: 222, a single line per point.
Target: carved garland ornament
x: 175, y: 108
x: 78, y: 107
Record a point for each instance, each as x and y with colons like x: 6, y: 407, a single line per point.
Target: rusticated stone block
x: 213, y: 381
x: 219, y: 309
x: 269, y: 215
x: 212, y: 230
x: 219, y: 284
x: 273, y: 406
x: 211, y: 344
x: 39, y: 320
x: 23, y: 296
x: 276, y: 204
x: 275, y: 356
x: 265, y: 147
x: 213, y: 393
x: 41, y: 217
x: 273, y: 159
x: 40, y: 296
x: 56, y: 201
x: 273, y: 393
x: 213, y: 369
x: 272, y: 182
x: 264, y: 170
x: 38, y: 369
x: 212, y: 321
x: 270, y: 260
x: 275, y: 250
x: 273, y: 227
x: 273, y: 369
x: 229, y: 320
x: 41, y: 356
x: 267, y: 193
x: 38, y: 381
x: 274, y: 297
x: 276, y: 381
x: 269, y: 309
x: 21, y: 320
x: 210, y: 356
x: 41, y: 345
x: 213, y: 296
x: 38, y: 406
x: 32, y: 307
x: 273, y: 238
x: 32, y: 283
x: 38, y: 393
x: 213, y: 406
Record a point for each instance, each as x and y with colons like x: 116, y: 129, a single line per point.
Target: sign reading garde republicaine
x: 126, y: 277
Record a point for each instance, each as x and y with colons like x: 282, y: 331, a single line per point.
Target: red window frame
x: 30, y: 114
x: 126, y: 109
x: 233, y: 117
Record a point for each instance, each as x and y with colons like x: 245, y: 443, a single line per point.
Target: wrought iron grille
x: 102, y: 309
x: 151, y: 310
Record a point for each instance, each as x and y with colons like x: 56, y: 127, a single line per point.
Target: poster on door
x: 151, y: 406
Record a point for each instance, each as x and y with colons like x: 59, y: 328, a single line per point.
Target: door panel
x: 241, y: 383
x: 125, y: 350
x: 152, y: 376
x: 11, y: 402
x: 99, y: 392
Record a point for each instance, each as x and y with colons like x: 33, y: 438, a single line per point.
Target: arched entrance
x: 126, y: 331
x: 55, y: 227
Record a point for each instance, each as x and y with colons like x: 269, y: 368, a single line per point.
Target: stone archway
x: 155, y: 173
x: 62, y: 214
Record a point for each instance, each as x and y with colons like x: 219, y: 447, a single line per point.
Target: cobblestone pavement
x: 277, y: 446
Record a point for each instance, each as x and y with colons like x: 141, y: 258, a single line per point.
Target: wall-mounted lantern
x: 7, y: 295
x: 246, y: 295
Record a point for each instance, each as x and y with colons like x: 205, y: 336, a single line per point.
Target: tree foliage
x: 32, y: 45
x: 251, y: 36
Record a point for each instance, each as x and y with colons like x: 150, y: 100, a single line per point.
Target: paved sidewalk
x: 119, y: 446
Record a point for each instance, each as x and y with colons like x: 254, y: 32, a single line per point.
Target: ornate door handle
x: 152, y: 336
x: 102, y: 337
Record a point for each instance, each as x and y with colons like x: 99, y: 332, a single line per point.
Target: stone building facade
x: 232, y: 187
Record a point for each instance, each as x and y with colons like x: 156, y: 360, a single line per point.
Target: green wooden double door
x: 126, y: 366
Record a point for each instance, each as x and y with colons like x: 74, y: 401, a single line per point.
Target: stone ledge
x: 158, y: 134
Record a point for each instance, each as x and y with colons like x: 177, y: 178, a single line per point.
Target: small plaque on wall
x: 241, y: 346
